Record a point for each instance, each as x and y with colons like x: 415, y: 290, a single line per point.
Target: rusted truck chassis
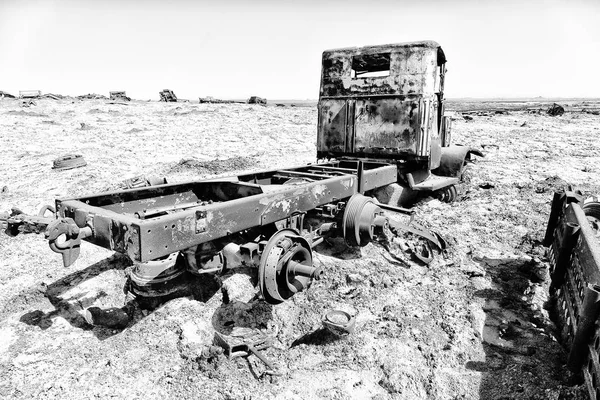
x: 380, y: 122
x: 271, y: 220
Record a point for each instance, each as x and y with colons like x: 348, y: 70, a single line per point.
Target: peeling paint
x: 348, y: 183
x: 285, y: 205
x: 319, y: 190
x: 271, y: 199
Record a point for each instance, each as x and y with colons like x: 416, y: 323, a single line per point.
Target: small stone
x: 386, y: 282
x: 238, y: 287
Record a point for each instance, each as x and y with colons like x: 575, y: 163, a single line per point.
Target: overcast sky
x: 234, y: 49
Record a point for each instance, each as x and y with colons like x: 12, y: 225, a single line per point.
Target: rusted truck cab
x: 387, y: 102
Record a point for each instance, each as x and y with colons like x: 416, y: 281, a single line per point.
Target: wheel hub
x: 286, y: 266
x: 362, y: 220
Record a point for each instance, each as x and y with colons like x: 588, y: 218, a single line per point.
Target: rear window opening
x: 371, y: 65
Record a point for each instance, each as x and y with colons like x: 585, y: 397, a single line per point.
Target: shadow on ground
x: 523, y: 359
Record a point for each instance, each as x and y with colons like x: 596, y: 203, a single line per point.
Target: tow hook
x: 64, y: 237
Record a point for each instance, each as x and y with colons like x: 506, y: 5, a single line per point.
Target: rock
x: 472, y: 271
x: 386, y: 281
x: 109, y: 318
x: 495, y: 259
x: 238, y: 287
x: 195, y: 341
x: 354, y: 278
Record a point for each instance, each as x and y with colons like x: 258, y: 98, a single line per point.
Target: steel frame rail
x: 192, y: 213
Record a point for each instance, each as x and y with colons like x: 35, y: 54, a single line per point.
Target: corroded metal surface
x: 574, y: 253
x: 382, y: 101
x: 152, y: 222
x: 412, y: 70
x: 167, y: 95
x: 119, y: 95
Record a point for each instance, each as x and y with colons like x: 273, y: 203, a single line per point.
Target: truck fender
x: 453, y: 160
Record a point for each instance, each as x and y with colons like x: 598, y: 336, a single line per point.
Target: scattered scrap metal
x: 167, y: 95
x: 257, y: 100
x: 29, y: 94
x: 555, y: 110
x: 242, y: 342
x: 339, y: 322
x: 143, y: 181
x: 92, y: 96
x: 210, y: 100
x: 4, y: 95
x: 69, y: 161
x: 119, y: 95
x: 590, y: 111
x: 486, y: 112
x: 27, y: 103
x: 574, y: 253
x: 52, y: 96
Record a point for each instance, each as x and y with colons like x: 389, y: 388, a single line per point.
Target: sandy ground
x: 472, y: 325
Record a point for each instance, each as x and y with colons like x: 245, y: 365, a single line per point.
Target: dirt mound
x: 26, y: 113
x: 215, y: 167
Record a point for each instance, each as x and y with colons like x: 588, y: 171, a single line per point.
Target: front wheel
x: 447, y: 194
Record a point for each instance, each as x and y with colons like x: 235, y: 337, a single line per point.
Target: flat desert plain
x: 474, y: 324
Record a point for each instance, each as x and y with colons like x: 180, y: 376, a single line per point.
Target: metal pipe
x: 400, y: 210
x: 359, y: 175
x: 304, y: 270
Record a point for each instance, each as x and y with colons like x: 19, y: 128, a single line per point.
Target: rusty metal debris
x: 339, y: 322
x: 92, y: 96
x: 52, y: 96
x: 574, y: 254
x: 487, y: 112
x: 167, y: 96
x: 28, y: 103
x: 257, y: 100
x: 555, y: 110
x: 592, y: 111
x: 211, y: 100
x: 244, y: 342
x: 29, y: 94
x: 69, y: 161
x: 143, y: 181
x: 119, y: 95
x: 4, y: 95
